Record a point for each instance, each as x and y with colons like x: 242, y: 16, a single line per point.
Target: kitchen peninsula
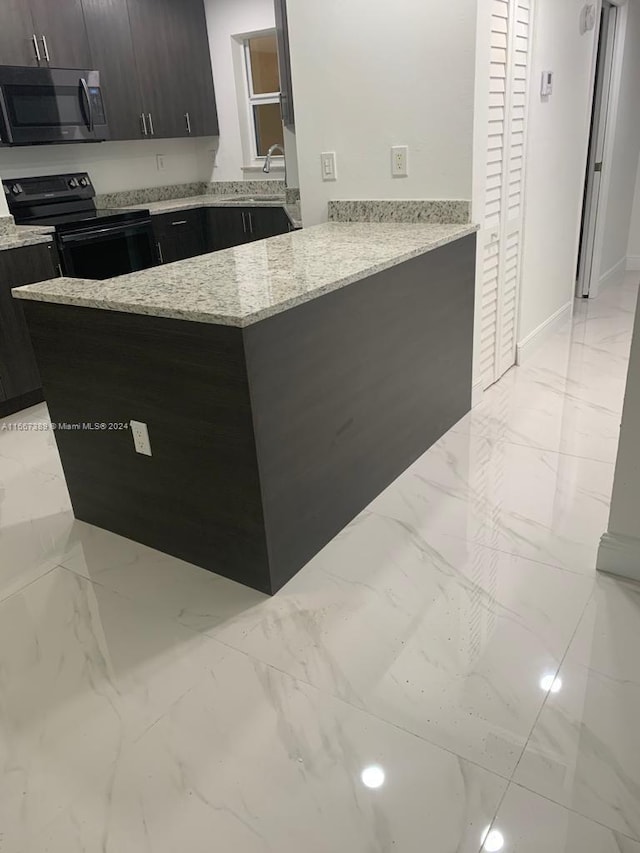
x: 284, y: 384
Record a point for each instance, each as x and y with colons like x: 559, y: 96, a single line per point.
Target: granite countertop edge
x: 17, y: 240
x: 38, y: 292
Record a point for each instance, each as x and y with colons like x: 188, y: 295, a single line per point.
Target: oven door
x: 45, y: 105
x: 109, y: 251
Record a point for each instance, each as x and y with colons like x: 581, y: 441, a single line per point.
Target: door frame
x: 589, y: 276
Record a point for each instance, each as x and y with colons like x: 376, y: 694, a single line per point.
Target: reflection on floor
x: 448, y: 674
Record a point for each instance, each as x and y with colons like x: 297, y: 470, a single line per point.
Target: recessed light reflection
x: 492, y: 840
x: 551, y: 683
x: 373, y: 777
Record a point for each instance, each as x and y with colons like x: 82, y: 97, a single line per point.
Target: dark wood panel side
x: 349, y: 389
x: 198, y: 496
x: 19, y: 374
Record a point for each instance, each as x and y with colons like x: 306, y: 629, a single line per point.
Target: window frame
x: 254, y: 99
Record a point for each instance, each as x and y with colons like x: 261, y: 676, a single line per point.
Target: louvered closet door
x: 504, y: 186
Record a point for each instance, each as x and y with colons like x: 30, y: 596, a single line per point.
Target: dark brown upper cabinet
x: 284, y: 63
x: 18, y: 45
x: 39, y: 32
x: 112, y: 54
x: 201, y: 117
x: 174, y: 67
x: 61, y: 34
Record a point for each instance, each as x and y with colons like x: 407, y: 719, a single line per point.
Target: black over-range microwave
x: 47, y: 105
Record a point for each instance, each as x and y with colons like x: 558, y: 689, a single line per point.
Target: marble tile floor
x: 449, y: 674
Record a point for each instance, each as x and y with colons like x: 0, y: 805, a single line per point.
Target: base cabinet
x: 180, y: 235
x: 20, y: 384
x: 229, y: 227
x: 189, y: 233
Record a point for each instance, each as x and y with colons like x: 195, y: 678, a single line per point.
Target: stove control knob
x: 16, y: 189
x: 73, y: 183
x: 84, y: 182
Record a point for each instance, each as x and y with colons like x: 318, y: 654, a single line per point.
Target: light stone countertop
x: 246, y: 284
x: 25, y: 235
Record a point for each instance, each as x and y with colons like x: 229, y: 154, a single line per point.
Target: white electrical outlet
x: 329, y: 167
x: 141, y: 438
x: 160, y: 162
x: 399, y: 161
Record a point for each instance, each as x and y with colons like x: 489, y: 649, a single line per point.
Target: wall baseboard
x: 619, y: 555
x: 526, y: 347
x: 614, y: 275
x: 477, y: 393
x: 633, y: 263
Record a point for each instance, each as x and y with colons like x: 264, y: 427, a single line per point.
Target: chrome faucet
x: 267, y: 160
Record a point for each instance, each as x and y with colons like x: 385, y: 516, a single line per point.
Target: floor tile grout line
x: 547, y: 697
x: 574, y: 811
x: 30, y: 583
x: 511, y: 781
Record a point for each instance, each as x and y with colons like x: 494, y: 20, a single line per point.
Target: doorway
x: 590, y: 252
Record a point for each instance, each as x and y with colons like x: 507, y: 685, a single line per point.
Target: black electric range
x: 93, y: 243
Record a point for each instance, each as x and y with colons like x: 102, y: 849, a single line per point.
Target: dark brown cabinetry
x: 153, y: 57
x: 180, y: 235
x: 174, y: 68
x: 19, y: 377
x: 61, y: 32
x: 188, y: 233
x: 284, y: 63
x: 109, y: 33
x: 227, y: 227
x: 39, y: 32
x: 17, y: 34
x: 200, y: 114
x: 232, y: 226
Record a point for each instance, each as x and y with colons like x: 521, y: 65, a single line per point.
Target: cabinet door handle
x: 160, y: 253
x: 46, y: 49
x: 151, y: 130
x: 244, y: 223
x: 188, y: 120
x: 36, y: 47
x: 60, y: 273
x: 250, y: 222
x: 144, y: 125
x: 180, y: 222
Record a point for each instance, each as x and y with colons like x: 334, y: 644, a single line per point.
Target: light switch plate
x: 329, y: 167
x: 160, y: 162
x: 546, y: 86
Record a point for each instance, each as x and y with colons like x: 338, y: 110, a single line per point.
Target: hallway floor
x: 449, y: 674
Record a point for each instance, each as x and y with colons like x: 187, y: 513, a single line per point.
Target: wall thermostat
x: 588, y: 18
x: 547, y: 84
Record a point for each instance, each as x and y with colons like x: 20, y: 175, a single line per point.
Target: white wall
x: 556, y: 161
x: 633, y: 247
x: 115, y: 166
x: 367, y: 76
x: 626, y: 147
x: 620, y: 547
x: 226, y: 19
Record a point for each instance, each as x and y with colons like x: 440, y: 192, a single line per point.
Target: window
x: 263, y: 84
